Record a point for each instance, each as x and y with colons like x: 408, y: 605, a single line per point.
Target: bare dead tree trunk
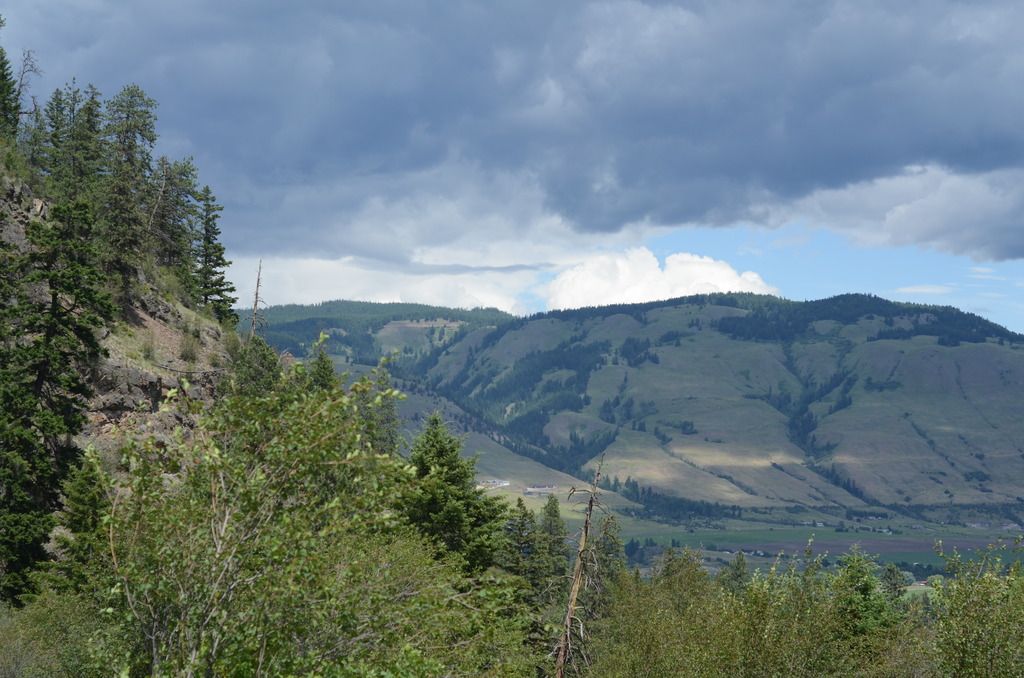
x: 256, y: 300
x: 564, y: 649
x: 29, y: 67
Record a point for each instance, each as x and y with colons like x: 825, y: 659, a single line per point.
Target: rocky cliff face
x: 159, y: 345
x: 17, y: 209
x: 144, y: 363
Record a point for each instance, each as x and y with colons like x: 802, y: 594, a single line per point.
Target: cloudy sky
x: 533, y: 155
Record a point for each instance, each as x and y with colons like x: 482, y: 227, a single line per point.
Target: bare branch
x: 29, y: 67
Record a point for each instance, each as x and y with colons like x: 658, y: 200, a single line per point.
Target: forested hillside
x: 362, y: 331
x: 755, y: 402
x: 112, y: 280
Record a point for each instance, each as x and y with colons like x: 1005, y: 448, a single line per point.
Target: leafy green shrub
x: 794, y: 621
x: 980, y: 629
x: 269, y: 539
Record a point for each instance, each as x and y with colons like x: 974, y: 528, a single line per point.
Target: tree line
x: 81, y: 151
x: 107, y: 225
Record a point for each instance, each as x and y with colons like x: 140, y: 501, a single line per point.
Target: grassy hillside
x: 755, y: 402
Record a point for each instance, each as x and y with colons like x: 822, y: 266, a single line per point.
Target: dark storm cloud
x: 336, y: 131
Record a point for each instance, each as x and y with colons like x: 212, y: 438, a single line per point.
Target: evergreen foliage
x: 213, y: 288
x: 553, y: 541
x: 10, y: 106
x: 521, y: 552
x: 445, y: 505
x: 77, y: 547
x: 322, y: 376
x: 51, y: 318
x: 380, y: 414
x: 173, y: 218
x: 130, y: 131
x: 255, y: 369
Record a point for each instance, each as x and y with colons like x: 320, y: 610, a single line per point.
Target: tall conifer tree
x: 522, y: 554
x: 446, y: 505
x: 553, y: 551
x: 52, y: 313
x: 214, y: 289
x: 10, y: 106
x: 85, y: 150
x: 174, y: 216
x: 130, y: 132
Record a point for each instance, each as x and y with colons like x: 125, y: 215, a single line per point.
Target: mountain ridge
x: 750, y: 401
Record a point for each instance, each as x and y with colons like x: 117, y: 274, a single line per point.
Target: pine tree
x: 255, y: 370
x: 734, y: 576
x: 78, y: 542
x: 10, y: 107
x: 56, y: 117
x: 522, y: 553
x: 445, y: 504
x: 53, y: 312
x: 33, y: 145
x: 60, y: 113
x: 173, y: 220
x: 130, y: 134
x: 553, y: 538
x: 322, y: 376
x: 214, y: 289
x: 380, y: 414
x: 609, y: 560
x: 85, y: 151
x: 892, y: 582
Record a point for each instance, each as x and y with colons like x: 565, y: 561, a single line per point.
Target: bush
x: 149, y: 347
x: 189, y: 351
x: 980, y: 629
x: 794, y: 621
x: 269, y: 540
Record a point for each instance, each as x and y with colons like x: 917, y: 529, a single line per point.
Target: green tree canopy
x: 130, y: 132
x: 445, y: 505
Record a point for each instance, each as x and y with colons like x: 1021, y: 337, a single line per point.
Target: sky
x: 534, y: 155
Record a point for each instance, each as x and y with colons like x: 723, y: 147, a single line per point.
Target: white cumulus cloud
x: 311, y: 280
x: 636, y: 275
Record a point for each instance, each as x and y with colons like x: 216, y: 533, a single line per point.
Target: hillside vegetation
x: 111, y: 288
x: 362, y: 331
x: 755, y: 402
x: 238, y: 512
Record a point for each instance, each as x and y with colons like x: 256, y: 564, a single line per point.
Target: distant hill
x: 362, y: 331
x: 721, y: 405
x: 708, y: 402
